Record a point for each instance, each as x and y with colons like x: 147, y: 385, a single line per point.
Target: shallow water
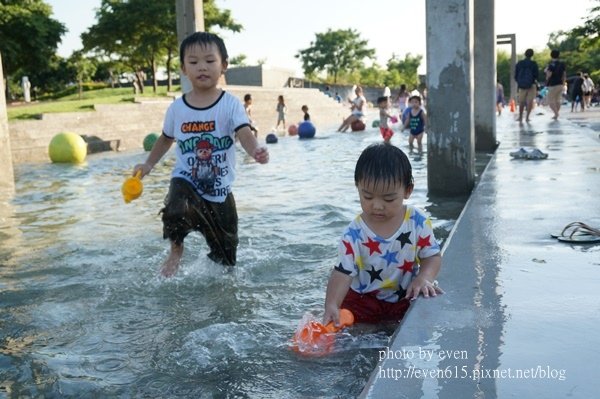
x: 84, y: 313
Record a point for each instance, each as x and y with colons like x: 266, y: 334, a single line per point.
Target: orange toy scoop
x: 132, y: 187
x: 314, y: 339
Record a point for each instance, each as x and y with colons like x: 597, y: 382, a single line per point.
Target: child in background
x: 281, y: 111
x: 204, y: 123
x: 306, y: 115
x: 388, y: 254
x: 416, y: 122
x: 386, y: 132
x: 248, y: 108
x: 402, y: 98
x: 499, y: 97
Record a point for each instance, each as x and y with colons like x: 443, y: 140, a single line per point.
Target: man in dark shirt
x: 556, y: 75
x: 526, y: 73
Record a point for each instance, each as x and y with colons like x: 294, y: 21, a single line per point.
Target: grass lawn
x: 72, y: 103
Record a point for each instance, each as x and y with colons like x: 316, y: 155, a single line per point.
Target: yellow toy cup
x: 132, y: 187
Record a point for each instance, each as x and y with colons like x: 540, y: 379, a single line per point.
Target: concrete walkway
x: 521, y: 313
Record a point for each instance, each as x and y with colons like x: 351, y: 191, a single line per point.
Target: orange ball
x: 292, y: 130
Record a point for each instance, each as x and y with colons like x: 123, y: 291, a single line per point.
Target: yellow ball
x: 67, y: 147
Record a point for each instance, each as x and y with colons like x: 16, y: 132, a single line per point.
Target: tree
x: 84, y: 69
x: 130, y: 32
x: 238, y: 60
x: 580, y: 47
x: 591, y: 26
x: 335, y: 52
x: 29, y: 38
x: 405, y: 70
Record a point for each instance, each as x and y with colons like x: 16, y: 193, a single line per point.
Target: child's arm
x: 337, y: 288
x: 160, y: 148
x: 425, y: 121
x: 424, y: 282
x: 406, y: 123
x: 249, y: 143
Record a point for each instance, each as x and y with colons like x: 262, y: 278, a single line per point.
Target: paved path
x: 521, y: 313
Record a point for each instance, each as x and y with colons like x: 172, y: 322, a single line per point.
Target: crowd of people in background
x: 554, y: 89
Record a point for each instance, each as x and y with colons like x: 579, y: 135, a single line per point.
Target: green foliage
x: 403, y: 71
x: 239, y: 60
x: 29, y: 38
x: 130, y: 33
x: 580, y: 47
x: 335, y: 52
x: 214, y: 17
x: 503, y: 71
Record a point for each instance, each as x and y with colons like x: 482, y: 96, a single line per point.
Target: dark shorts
x: 368, y: 309
x: 186, y: 211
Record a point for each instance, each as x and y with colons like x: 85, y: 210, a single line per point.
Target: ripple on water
x: 85, y: 300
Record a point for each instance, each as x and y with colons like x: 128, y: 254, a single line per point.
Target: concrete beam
x: 7, y: 177
x: 484, y: 68
x: 450, y: 140
x: 190, y: 19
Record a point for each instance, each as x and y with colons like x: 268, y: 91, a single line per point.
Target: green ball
x: 375, y: 123
x: 67, y: 147
x: 149, y: 141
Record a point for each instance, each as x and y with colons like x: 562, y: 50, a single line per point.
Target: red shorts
x: 368, y: 309
x: 386, y: 132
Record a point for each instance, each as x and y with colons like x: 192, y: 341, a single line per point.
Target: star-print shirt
x: 205, y: 152
x: 386, y: 265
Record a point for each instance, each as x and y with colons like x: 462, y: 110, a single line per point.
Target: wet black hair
x: 203, y: 39
x: 415, y: 97
x: 381, y: 99
x: 248, y: 97
x: 554, y: 53
x: 383, y: 163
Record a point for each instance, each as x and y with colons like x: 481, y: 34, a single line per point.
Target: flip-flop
x: 558, y: 235
x: 580, y: 239
x: 578, y: 232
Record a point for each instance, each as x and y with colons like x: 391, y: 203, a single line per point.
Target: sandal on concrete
x: 580, y: 233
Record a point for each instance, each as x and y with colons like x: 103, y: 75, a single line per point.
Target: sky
x: 275, y: 30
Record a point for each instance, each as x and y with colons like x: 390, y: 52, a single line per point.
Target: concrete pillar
x: 190, y: 19
x: 7, y: 178
x: 450, y: 139
x: 512, y: 40
x: 484, y: 70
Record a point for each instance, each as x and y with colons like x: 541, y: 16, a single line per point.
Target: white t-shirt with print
x: 386, y: 265
x: 205, y: 143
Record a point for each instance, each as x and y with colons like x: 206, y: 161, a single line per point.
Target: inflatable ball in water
x: 271, y: 138
x: 149, y: 141
x: 357, y: 126
x: 67, y: 147
x: 292, y: 130
x: 306, y: 130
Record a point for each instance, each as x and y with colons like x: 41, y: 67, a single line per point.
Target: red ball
x: 357, y: 125
x: 292, y: 130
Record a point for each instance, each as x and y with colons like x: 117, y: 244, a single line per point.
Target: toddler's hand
x: 143, y: 167
x: 331, y: 315
x: 261, y: 155
x: 422, y: 286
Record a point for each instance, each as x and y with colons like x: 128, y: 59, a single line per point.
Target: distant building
x: 260, y: 75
